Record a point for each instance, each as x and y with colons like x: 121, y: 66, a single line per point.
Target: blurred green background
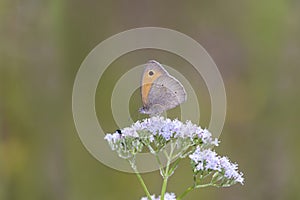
x: 255, y: 44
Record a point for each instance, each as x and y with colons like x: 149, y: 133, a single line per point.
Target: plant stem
x: 167, y: 174
x: 159, y: 164
x: 133, y: 166
x: 164, y: 186
x: 143, y: 184
x: 185, y: 192
x: 191, y: 188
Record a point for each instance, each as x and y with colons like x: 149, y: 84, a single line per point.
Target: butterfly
x: 159, y: 90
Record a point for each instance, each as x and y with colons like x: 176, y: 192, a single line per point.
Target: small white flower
x: 129, y: 132
x: 168, y: 196
x: 215, y: 142
x: 206, y: 136
x: 146, y: 198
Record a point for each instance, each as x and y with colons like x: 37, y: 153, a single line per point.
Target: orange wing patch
x: 147, y: 82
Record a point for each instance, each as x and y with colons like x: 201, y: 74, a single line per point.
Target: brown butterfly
x: 160, y: 91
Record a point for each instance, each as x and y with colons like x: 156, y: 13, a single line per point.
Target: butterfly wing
x: 152, y: 71
x: 167, y: 92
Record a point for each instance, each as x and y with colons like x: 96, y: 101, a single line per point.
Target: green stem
x: 175, y: 165
x: 159, y: 163
x: 167, y: 174
x: 143, y: 184
x: 185, y: 192
x: 164, y: 186
x: 133, y: 166
x: 193, y: 187
x: 205, y: 185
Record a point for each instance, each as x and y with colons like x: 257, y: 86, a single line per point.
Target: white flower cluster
x: 158, y: 131
x: 168, y: 196
x: 207, y: 160
x: 155, y: 133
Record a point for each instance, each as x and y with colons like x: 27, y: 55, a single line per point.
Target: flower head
x: 185, y: 139
x: 210, y: 161
x: 156, y: 132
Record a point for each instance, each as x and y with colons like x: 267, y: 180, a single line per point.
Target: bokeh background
x: 255, y: 44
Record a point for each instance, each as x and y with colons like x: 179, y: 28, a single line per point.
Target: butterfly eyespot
x: 151, y: 73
